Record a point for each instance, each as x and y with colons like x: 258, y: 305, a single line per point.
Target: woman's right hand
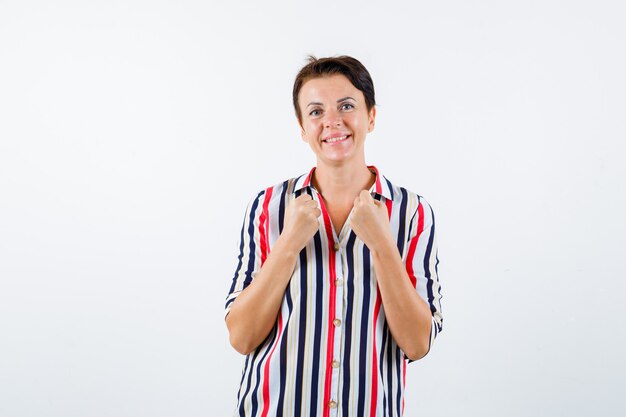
x: 301, y: 221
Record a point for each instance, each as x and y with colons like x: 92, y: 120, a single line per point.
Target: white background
x: 133, y: 133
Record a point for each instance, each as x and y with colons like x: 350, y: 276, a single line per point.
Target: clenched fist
x: 301, y: 221
x: 370, y: 221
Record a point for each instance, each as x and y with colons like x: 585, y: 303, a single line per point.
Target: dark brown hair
x: 345, y: 65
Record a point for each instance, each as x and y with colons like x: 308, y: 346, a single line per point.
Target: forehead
x: 329, y: 88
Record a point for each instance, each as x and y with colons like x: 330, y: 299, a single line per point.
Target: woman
x: 336, y: 286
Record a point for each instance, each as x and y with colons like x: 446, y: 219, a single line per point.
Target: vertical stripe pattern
x: 330, y: 352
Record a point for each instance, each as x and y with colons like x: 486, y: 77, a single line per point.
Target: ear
x: 372, y: 118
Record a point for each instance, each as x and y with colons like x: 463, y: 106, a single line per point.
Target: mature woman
x: 336, y: 286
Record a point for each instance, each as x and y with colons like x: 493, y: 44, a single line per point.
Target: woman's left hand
x: 370, y: 220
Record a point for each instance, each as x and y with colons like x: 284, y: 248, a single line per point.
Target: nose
x: 332, y: 119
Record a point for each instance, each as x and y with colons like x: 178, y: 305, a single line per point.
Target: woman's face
x: 335, y: 119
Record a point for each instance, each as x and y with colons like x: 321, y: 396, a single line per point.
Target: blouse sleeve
x: 249, y: 262
x: 421, y: 264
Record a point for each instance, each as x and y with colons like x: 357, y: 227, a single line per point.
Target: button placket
x: 338, y: 328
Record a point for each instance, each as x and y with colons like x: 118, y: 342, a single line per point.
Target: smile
x: 336, y: 139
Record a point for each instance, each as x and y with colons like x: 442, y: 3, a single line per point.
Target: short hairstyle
x: 345, y: 65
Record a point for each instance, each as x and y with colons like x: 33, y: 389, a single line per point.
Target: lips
x: 336, y: 138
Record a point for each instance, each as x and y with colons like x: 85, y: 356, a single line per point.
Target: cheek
x: 355, y: 122
x: 312, y: 129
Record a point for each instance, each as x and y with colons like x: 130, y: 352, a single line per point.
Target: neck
x: 341, y: 184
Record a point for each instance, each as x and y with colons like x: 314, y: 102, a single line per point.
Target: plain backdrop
x: 133, y: 133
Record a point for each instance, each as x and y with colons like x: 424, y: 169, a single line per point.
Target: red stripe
x: 307, y: 180
x: 266, y: 370
x: 379, y: 188
x: 331, y: 309
x: 375, y: 357
x: 264, y: 226
x: 413, y: 245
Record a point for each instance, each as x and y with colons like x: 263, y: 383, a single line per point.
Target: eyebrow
x: 315, y: 103
x: 345, y: 98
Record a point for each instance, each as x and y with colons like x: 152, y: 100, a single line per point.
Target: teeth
x: 336, y: 139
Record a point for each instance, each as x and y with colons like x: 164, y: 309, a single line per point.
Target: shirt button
x: 335, y: 364
x: 332, y: 404
x: 336, y: 247
x: 337, y: 322
x: 338, y: 282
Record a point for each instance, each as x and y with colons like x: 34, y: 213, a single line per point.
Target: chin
x: 336, y: 159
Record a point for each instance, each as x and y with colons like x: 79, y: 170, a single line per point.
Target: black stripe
x: 389, y: 353
x: 381, y: 357
x: 243, y: 374
x: 249, y: 368
x: 301, y: 334
x: 267, y: 344
x: 402, y: 220
x: 411, y: 226
x: 281, y: 207
x: 364, y: 328
x: 252, y: 250
x: 301, y: 190
x: 232, y: 287
x: 283, y: 354
x: 317, y: 334
x: 251, y: 247
x: 390, y: 187
x: 399, y: 387
x: 440, y: 324
x: 429, y: 282
x: 295, y: 183
x: 348, y: 324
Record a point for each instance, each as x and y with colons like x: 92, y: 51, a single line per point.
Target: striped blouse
x: 330, y: 352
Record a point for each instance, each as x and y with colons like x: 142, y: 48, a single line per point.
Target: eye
x: 315, y: 112
x: 347, y: 106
